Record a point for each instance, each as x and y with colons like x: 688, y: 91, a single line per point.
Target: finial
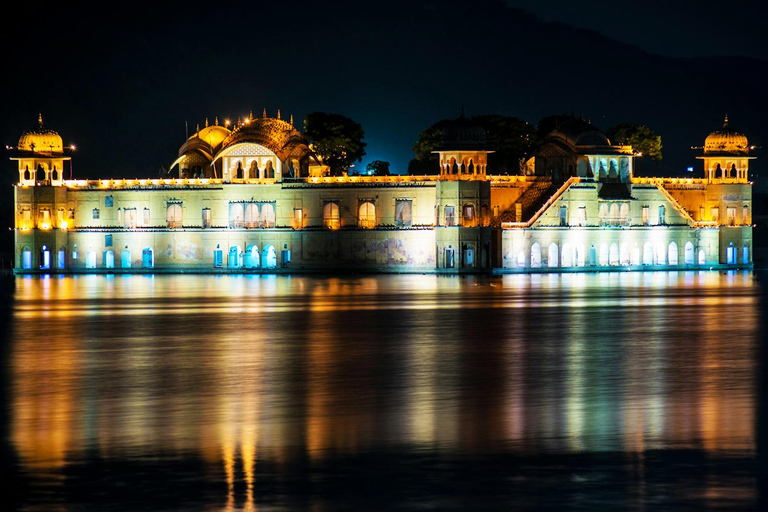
x: 238, y: 121
x: 197, y: 130
x: 278, y: 113
x: 264, y: 114
x: 217, y: 121
x: 251, y: 116
x: 725, y: 124
x: 206, y: 122
x: 40, y: 118
x: 291, y: 119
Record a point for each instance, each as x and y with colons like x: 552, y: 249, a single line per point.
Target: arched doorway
x: 552, y: 260
x: 672, y: 258
x: 567, y: 259
x: 61, y: 258
x: 45, y: 258
x: 90, y: 259
x: 613, y: 255
x: 688, y: 253
x: 235, y: 261
x: 648, y: 254
x: 109, y: 259
x: 535, y: 256
x: 125, y: 258
x: 269, y: 257
x: 702, y: 257
x: 251, y: 257
x: 148, y: 258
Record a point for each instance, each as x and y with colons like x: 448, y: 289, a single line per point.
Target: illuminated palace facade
x: 255, y: 198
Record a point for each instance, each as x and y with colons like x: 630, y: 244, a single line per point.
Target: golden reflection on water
x: 247, y: 369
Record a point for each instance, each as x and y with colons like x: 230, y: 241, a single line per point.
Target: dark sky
x: 121, y: 85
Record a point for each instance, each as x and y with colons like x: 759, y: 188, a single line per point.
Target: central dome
x: 726, y: 141
x: 463, y: 135
x: 40, y: 140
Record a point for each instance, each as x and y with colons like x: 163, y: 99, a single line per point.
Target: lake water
x: 631, y: 391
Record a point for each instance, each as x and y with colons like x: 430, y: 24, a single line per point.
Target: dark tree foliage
x: 378, y: 168
x: 511, y: 139
x: 642, y: 139
x: 337, y: 139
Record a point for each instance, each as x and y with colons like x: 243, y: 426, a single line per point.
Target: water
x: 633, y: 391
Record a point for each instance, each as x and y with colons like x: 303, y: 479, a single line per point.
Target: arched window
x: 688, y: 253
x: 624, y: 214
x: 331, y: 215
x: 218, y: 257
x: 521, y: 259
x: 672, y: 258
x: 603, y: 261
x: 648, y: 254
x: 468, y: 215
x: 109, y: 259
x: 236, y: 215
x: 624, y: 254
x: 635, y: 260
x: 269, y: 170
x: 26, y: 258
x: 580, y: 255
x: 267, y: 215
x: 45, y: 258
x: 468, y: 255
x: 536, y: 256
x: 661, y: 254
x: 567, y: 259
x: 251, y: 215
x: 173, y: 215
x: 613, y: 255
x: 702, y: 257
x: 90, y: 259
x: 552, y: 260
x: 367, y: 215
x: 62, y: 258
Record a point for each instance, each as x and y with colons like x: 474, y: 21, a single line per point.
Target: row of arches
x: 604, y: 255
x: 249, y: 259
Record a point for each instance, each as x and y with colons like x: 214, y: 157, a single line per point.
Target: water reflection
x: 282, y: 372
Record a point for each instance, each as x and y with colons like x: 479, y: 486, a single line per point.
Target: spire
x: 291, y: 119
x: 40, y: 119
x: 278, y: 113
x: 197, y: 130
x: 264, y: 114
x: 217, y: 121
x: 250, y: 117
x: 725, y: 124
x: 206, y: 122
x: 238, y: 121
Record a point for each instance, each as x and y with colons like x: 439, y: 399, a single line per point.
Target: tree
x: 511, y: 139
x: 378, y: 168
x: 337, y: 139
x: 642, y: 139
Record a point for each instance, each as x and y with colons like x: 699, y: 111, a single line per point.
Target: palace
x: 254, y: 198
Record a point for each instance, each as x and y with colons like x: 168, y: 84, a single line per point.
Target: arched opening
x: 367, y: 215
x: 672, y: 258
x: 252, y: 215
x: 90, y: 259
x: 613, y: 255
x: 468, y: 215
x: 45, y: 258
x: 252, y: 257
x: 624, y: 254
x: 603, y: 260
x: 449, y: 257
x: 552, y: 259
x: 730, y: 254
x: 536, y: 256
x: 580, y: 255
x: 269, y: 257
x: 567, y: 259
x: 61, y: 258
x: 661, y: 254
x: 27, y: 174
x: 269, y: 171
x: 613, y: 170
x: 235, y: 215
x: 468, y: 255
x: 521, y: 259
x: 718, y: 171
x: 125, y: 258
x: 635, y: 255
x: 235, y: 260
x: 624, y: 214
x: 648, y: 254
x: 173, y: 215
x: 267, y: 215
x: 745, y: 255
x: 688, y: 253
x: 26, y: 259
x: 239, y: 171
x: 253, y: 170
x: 218, y: 257
x: 148, y: 258
x: 109, y: 259
x: 702, y: 257
x: 734, y: 172
x: 331, y: 215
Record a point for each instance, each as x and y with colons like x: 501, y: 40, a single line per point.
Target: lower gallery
x: 256, y: 199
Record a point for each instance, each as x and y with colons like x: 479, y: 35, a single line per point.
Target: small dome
x: 40, y: 140
x: 727, y: 141
x: 592, y: 138
x: 462, y: 134
x: 213, y: 135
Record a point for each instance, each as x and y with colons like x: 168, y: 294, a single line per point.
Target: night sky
x: 121, y: 85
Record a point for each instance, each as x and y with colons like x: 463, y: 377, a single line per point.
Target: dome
x: 462, y: 135
x: 40, y: 140
x: 726, y: 140
x: 213, y: 135
x: 578, y: 132
x: 592, y: 138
